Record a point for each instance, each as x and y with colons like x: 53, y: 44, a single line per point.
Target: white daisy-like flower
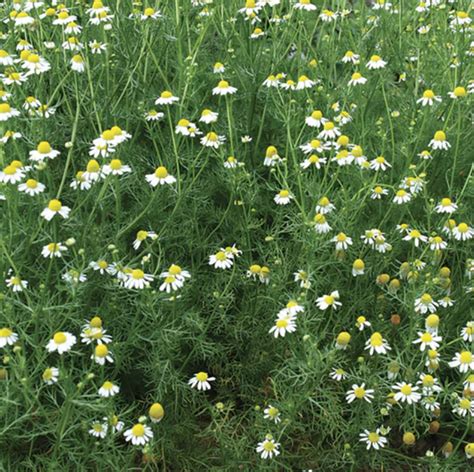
x: 304, y: 83
x: 137, y: 279
x: 53, y: 250
x: 108, y: 389
x: 102, y: 354
x: 208, y: 116
x: 377, y: 344
x: 463, y: 361
x: 268, y: 448
x: 406, y: 392
x: 213, y: 140
x: 338, y: 374
x: 362, y: 323
x: 425, y: 304
x: 427, y: 340
x: 285, y: 323
x: 331, y: 300
x: 221, y: 260
x: 357, y: 79
x: 415, y: 236
x: 446, y: 206
x: 138, y: 435
x: 50, y: 375
x: 115, y: 167
x: 166, y: 98
x: 467, y: 332
x: 373, y: 439
x: 77, y: 63
x: 376, y: 62
x: 330, y: 131
x: 7, y: 337
x: 313, y: 161
x: 16, y: 284
x: 160, y: 177
x: 379, y: 163
x: 342, y: 241
x: 359, y: 392
x: 32, y: 187
x: 223, y: 88
x: 428, y: 98
x: 98, y: 430
x: 7, y: 112
x: 350, y: 57
x: 305, y: 5
x: 272, y: 413
x: 283, y: 197
x: 141, y: 236
x: 463, y: 232
x: 42, y: 152
x: 55, y: 207
x: 201, y: 381
x: 316, y: 119
x: 439, y: 141
x: 61, y: 342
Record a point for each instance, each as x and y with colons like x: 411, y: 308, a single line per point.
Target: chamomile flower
x: 271, y: 157
x: 313, y: 161
x: 96, y: 47
x: 98, y: 430
x: 77, y: 63
x: 342, y: 241
x: 437, y: 244
x: 35, y: 64
x: 7, y: 337
x: 212, y: 140
x: 16, y: 284
x: 446, y: 205
x: 379, y: 163
x: 53, y: 250
x: 329, y: 301
x: 362, y: 323
x: 377, y: 344
x: 108, y: 389
x: 427, y: 340
x: 137, y: 279
x: 223, y: 88
x: 357, y: 79
x: 115, y: 167
x: 7, y: 112
x: 402, y: 196
x: 150, y: 14
x: 463, y: 232
x: 350, y: 57
x: 338, y: 374
x: 464, y: 406
x: 166, y: 98
x: 208, y: 116
x: 428, y: 384
x: 313, y: 146
x: 376, y: 62
x: 55, y: 207
x: 324, y: 206
x: 330, y: 131
x: 302, y: 277
x: 463, y: 361
x: 138, y: 435
x: 61, y: 342
x: 378, y: 192
x: 50, y: 375
x: 373, y: 439
x: 316, y: 119
x: 5, y: 58
x: 305, y: 5
x: 283, y: 197
x: 102, y: 354
x: 428, y: 98
x: 439, y: 141
x: 320, y: 224
x: 467, y: 332
x: 160, y: 177
x: 425, y: 304
x: 406, y: 392
x: 141, y: 236
x: 153, y: 115
x: 156, y: 412
x: 415, y: 236
x: 232, y: 163
x: 304, y: 83
x: 201, y: 381
x: 43, y: 151
x: 221, y: 260
x: 285, y: 323
x: 458, y: 92
x: 268, y: 447
x: 272, y: 413
x: 359, y: 392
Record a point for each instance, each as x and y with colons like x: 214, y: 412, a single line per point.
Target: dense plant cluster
x: 236, y: 235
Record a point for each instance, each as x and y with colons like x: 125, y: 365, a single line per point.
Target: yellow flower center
x: 440, y: 136
x: 5, y: 332
x: 55, y: 205
x: 283, y: 323
x: 406, y: 390
x: 359, y: 392
x: 59, y: 338
x: 202, y: 376
x: 101, y: 350
x: 138, y: 274
x: 465, y: 357
x: 166, y: 94
x: 138, y: 430
x: 220, y: 256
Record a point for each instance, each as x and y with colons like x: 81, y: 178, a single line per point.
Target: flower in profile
x: 160, y: 177
x: 108, y: 389
x: 213, y: 140
x: 43, y: 151
x: 223, y: 88
x: 166, y: 98
x: 7, y: 337
x: 156, y: 412
x: 305, y: 5
x: 376, y: 62
x: 283, y: 197
x: 50, y: 375
x: 439, y: 141
x: 201, y: 381
x: 55, y: 207
x: 102, y: 354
